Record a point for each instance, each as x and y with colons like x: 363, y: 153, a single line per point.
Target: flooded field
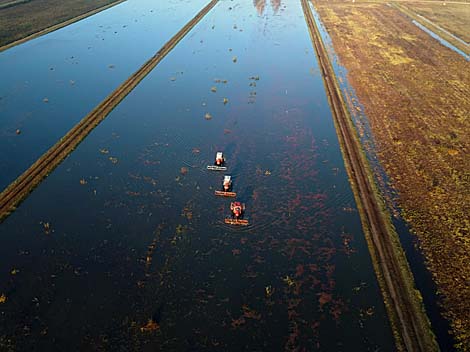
x: 124, y: 244
x: 50, y: 83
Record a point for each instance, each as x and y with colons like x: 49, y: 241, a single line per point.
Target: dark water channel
x: 127, y: 230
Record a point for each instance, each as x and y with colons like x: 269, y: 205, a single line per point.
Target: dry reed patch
x: 454, y: 18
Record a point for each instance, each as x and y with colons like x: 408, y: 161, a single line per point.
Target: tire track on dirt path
x: 25, y: 183
x: 409, y: 322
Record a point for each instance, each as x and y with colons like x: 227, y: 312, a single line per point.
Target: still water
x: 48, y: 84
x: 127, y: 229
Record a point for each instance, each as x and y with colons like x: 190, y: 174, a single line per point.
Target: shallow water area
x: 50, y: 83
x: 124, y: 244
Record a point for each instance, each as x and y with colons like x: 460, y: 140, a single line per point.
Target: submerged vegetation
x: 294, y: 277
x: 415, y: 94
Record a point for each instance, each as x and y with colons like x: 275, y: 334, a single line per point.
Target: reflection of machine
x: 227, y: 187
x: 237, y: 209
x: 219, y: 163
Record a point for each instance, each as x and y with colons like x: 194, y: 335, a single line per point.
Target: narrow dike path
x: 24, y: 184
x: 411, y: 326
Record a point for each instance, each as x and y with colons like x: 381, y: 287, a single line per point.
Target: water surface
x: 48, y: 84
x: 127, y: 229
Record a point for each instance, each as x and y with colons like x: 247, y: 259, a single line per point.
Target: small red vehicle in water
x: 226, y: 188
x: 227, y: 184
x: 218, y: 163
x: 238, y: 210
x: 219, y: 159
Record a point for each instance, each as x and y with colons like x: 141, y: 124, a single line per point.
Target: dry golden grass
x: 454, y: 18
x: 23, y: 19
x: 416, y: 97
x: 437, y: 28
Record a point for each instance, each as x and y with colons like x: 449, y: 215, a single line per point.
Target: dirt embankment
x: 411, y: 327
x: 25, y: 183
x: 416, y: 97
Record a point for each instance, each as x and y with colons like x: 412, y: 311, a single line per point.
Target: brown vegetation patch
x: 437, y: 29
x: 19, y: 19
x: 416, y: 97
x: 453, y: 17
x: 10, y: 3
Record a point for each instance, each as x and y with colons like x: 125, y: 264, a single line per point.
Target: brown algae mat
x: 410, y: 325
x: 416, y: 96
x: 25, y: 183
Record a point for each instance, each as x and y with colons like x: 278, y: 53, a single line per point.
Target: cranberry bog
x: 414, y: 92
x: 124, y: 244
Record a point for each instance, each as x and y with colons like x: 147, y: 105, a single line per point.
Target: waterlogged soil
x: 415, y: 95
x: 124, y: 244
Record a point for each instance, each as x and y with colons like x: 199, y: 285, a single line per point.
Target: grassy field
x: 10, y: 3
x: 455, y: 18
x: 416, y: 96
x: 449, y: 24
x: 20, y: 19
